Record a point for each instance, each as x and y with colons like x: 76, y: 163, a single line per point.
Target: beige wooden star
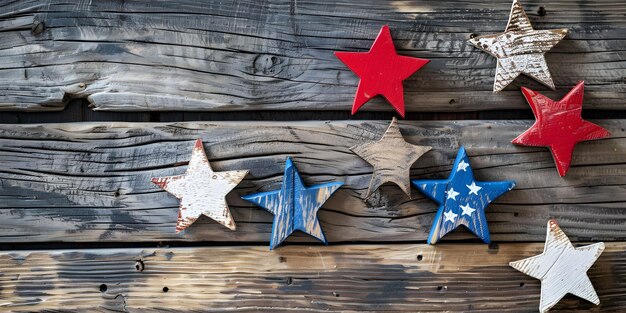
x: 561, y: 268
x: 520, y: 49
x: 201, y: 190
x: 391, y: 157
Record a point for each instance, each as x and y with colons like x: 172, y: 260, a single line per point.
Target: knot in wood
x: 37, y: 28
x: 268, y: 65
x: 139, y: 266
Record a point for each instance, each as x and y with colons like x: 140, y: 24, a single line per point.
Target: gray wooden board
x: 277, y: 55
x: 91, y: 181
x: 348, y: 278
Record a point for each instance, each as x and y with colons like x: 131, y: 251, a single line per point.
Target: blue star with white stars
x: 294, y: 206
x: 462, y: 200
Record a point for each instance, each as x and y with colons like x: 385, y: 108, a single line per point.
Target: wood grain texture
x: 91, y: 181
x: 349, y: 278
x: 277, y: 55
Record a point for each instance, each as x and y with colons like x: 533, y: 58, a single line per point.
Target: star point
x: 381, y: 71
x: 520, y: 49
x: 562, y: 268
x: 441, y: 191
x: 391, y: 157
x: 201, y: 191
x: 294, y: 205
x: 559, y: 125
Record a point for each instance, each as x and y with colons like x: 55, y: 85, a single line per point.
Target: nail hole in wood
x: 452, y: 101
x: 335, y: 294
x: 282, y: 259
x: 515, y: 214
x: 419, y: 257
x: 139, y: 266
x: 494, y: 246
x: 165, y: 289
x: 116, y: 193
x: 439, y: 288
x: 103, y: 288
x: 521, y: 284
x: 542, y: 11
x: 289, y: 280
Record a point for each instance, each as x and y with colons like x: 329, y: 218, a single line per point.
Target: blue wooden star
x: 294, y: 206
x: 462, y: 200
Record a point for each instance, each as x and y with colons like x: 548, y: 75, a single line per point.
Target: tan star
x: 391, y: 158
x: 201, y: 190
x: 520, y: 49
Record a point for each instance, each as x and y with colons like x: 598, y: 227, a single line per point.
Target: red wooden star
x: 381, y: 71
x: 559, y: 125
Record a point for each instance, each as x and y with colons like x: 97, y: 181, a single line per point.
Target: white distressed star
x: 201, y: 190
x: 450, y: 216
x: 462, y: 166
x: 452, y: 194
x: 561, y: 268
x: 473, y: 188
x: 520, y: 49
x: 467, y: 210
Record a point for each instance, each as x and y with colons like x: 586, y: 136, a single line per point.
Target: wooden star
x: 520, y: 49
x: 462, y: 200
x: 561, y: 268
x: 381, y: 71
x: 559, y: 125
x: 294, y: 206
x: 391, y: 157
x: 201, y: 190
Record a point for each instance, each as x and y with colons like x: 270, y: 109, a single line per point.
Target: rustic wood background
x: 99, y: 96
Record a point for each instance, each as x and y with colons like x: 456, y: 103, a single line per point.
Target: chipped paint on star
x: 294, y: 206
x: 201, y: 191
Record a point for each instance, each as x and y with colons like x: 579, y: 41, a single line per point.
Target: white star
x: 561, y: 268
x: 201, y: 191
x: 462, y: 166
x: 452, y: 194
x: 473, y: 188
x: 450, y: 216
x: 467, y: 210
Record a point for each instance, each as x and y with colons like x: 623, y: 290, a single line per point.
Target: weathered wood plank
x: 91, y: 181
x: 351, y: 278
x: 277, y: 55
